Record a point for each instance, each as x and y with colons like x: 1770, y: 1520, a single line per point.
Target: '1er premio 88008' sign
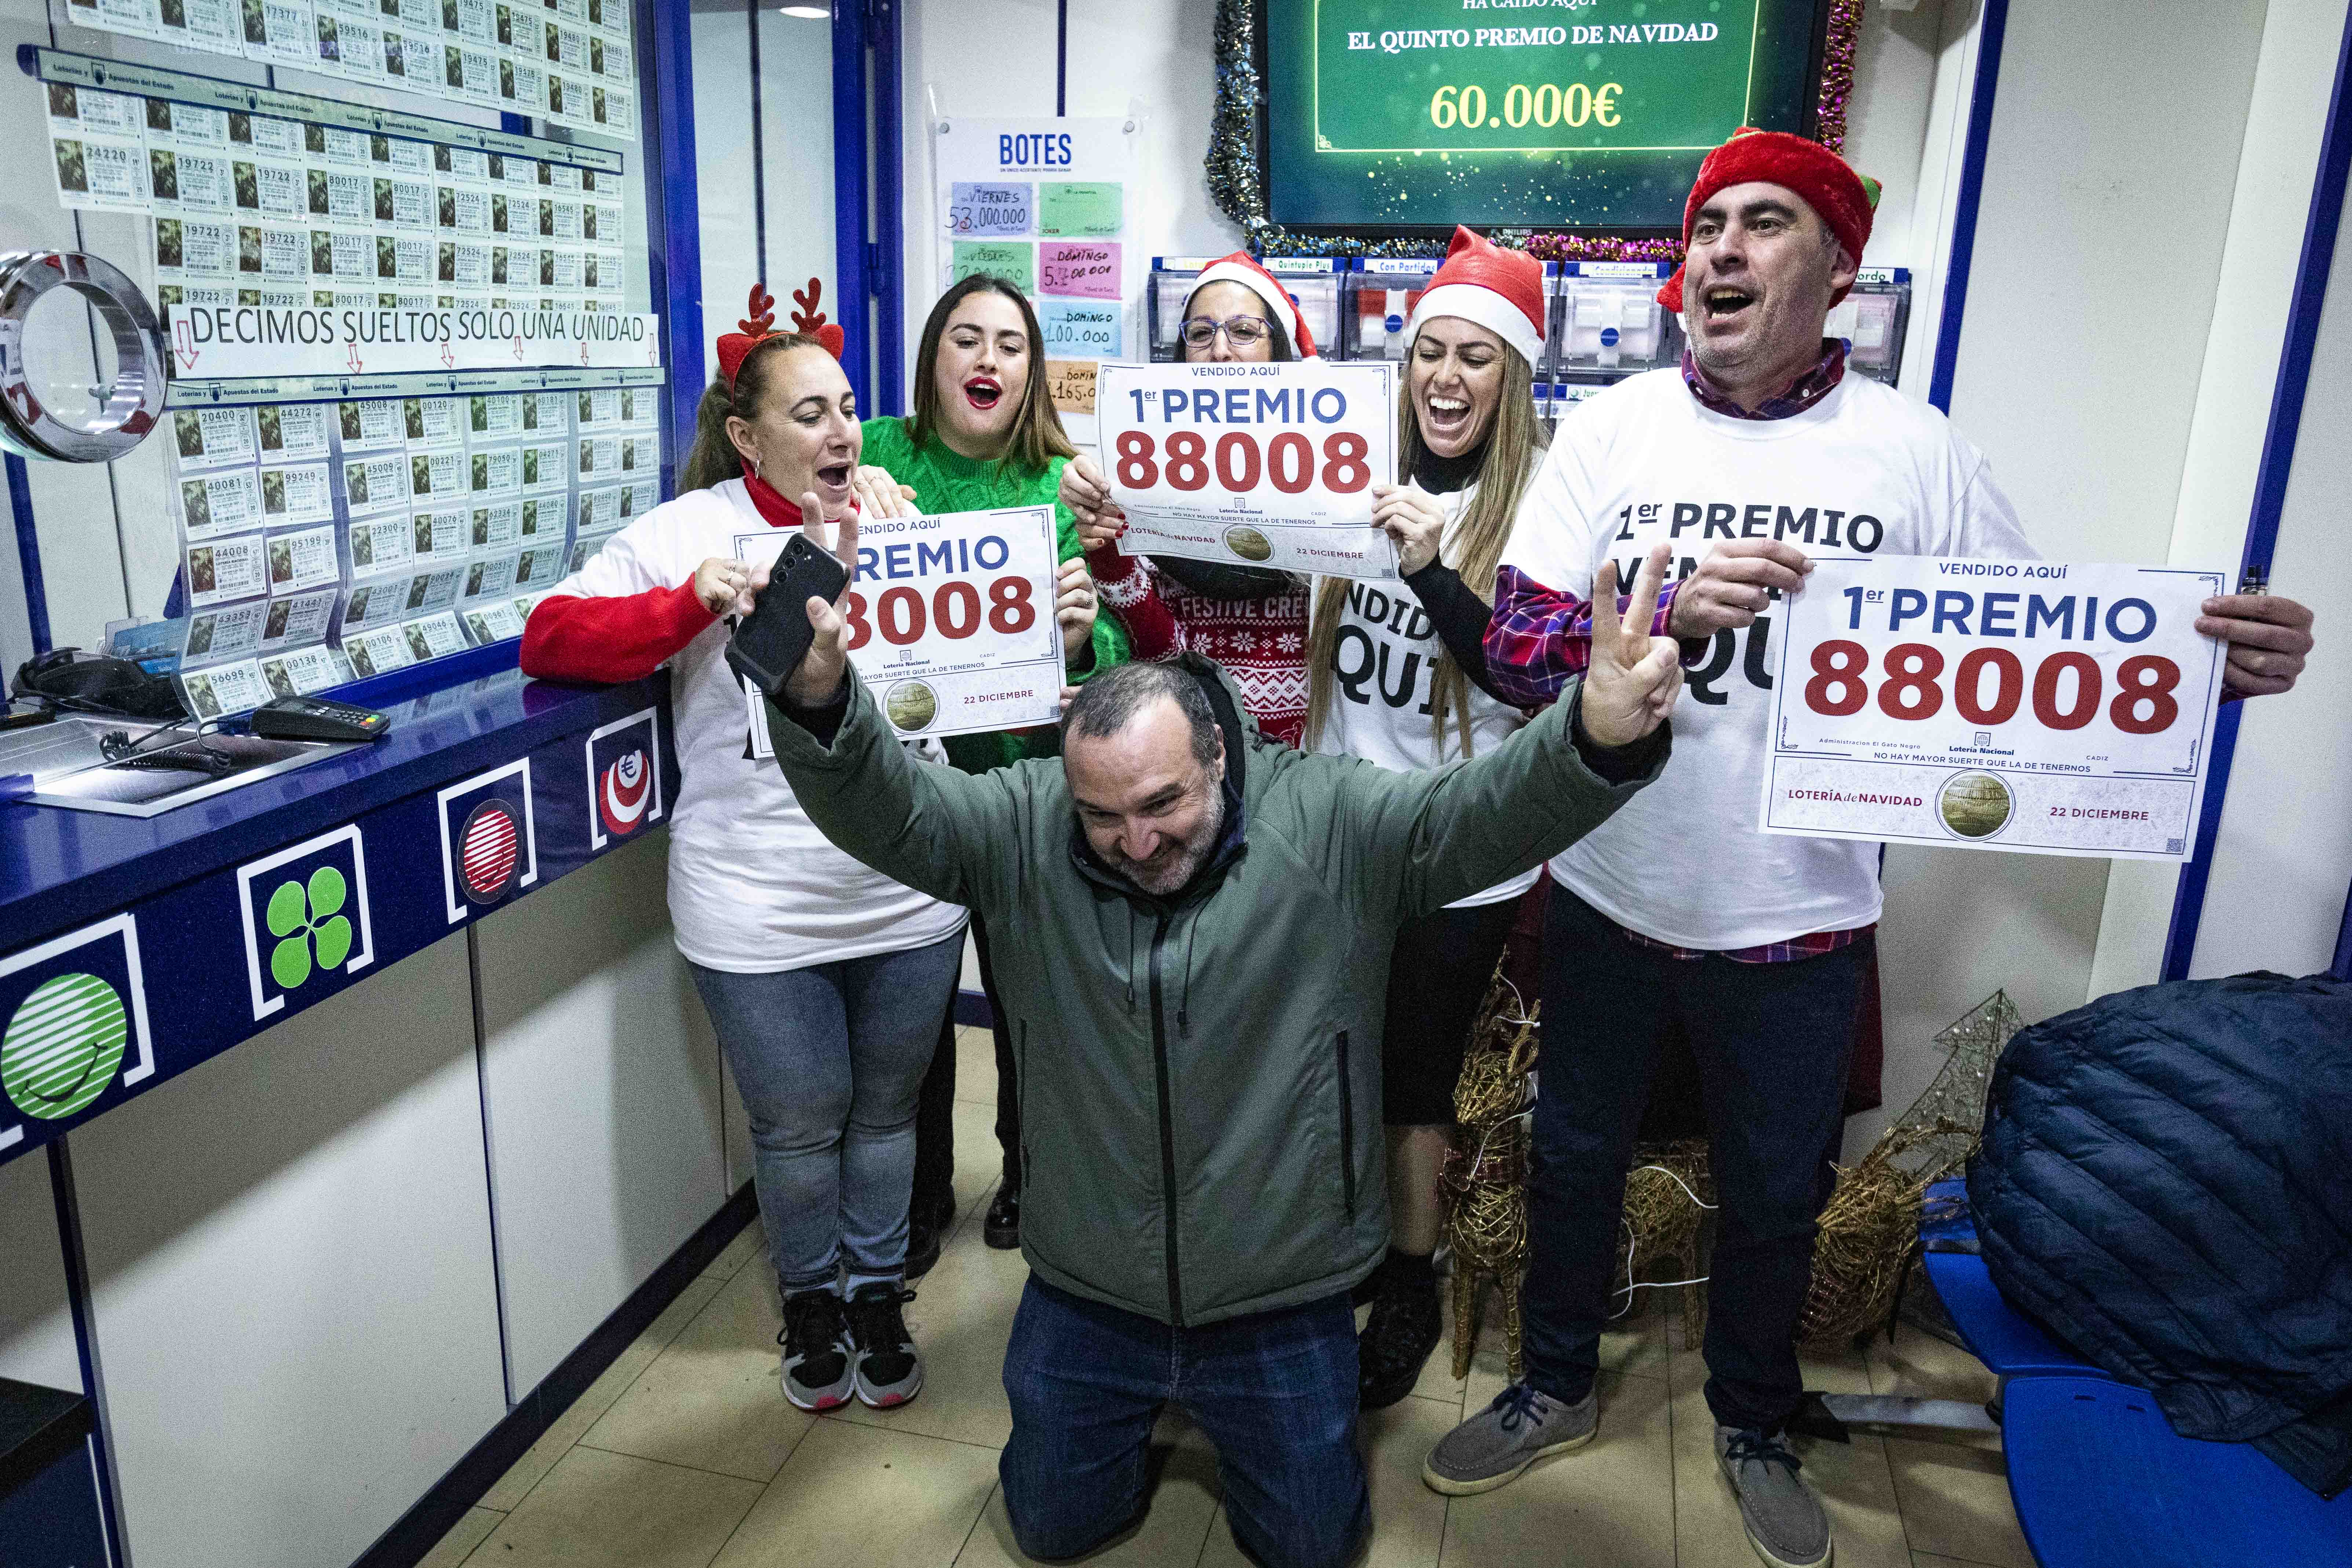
x: 2031, y: 705
x: 1258, y: 465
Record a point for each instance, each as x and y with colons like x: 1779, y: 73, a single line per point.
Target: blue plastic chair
x: 2101, y: 1480
x: 2098, y: 1475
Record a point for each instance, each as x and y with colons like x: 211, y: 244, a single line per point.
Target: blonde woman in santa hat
x: 1250, y: 620
x: 1395, y: 679
x: 826, y: 981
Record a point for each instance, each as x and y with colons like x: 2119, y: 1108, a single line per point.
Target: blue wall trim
x: 852, y: 287
x: 2311, y: 272
x: 889, y: 280
x: 28, y: 556
x: 674, y: 244
x: 1991, y: 30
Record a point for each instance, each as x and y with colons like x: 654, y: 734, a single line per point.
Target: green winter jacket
x: 1200, y: 1076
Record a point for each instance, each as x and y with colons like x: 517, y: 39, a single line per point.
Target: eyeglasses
x: 1240, y: 331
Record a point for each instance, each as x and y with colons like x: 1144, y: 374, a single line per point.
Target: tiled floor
x: 684, y: 1454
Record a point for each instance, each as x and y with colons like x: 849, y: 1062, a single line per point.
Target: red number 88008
x: 1288, y: 461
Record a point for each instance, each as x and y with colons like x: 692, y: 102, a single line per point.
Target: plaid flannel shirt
x: 1539, y: 637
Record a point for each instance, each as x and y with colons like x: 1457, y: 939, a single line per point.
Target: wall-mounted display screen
x: 1386, y: 116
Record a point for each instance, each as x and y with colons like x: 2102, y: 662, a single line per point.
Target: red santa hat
x: 1844, y: 199
x: 1482, y: 283
x: 759, y: 327
x: 1242, y: 269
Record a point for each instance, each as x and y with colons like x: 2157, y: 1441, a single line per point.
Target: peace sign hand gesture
x: 1634, y: 678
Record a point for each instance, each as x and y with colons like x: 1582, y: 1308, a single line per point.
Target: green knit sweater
x: 946, y: 482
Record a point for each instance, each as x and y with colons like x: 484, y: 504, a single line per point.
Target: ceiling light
x: 807, y: 12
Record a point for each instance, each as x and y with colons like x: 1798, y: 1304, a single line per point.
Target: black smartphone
x: 771, y: 641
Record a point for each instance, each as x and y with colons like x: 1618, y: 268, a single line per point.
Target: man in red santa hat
x: 1677, y: 908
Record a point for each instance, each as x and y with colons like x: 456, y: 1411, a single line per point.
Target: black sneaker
x: 888, y: 1372
x: 817, y: 1370
x: 1405, y: 1326
x: 1001, y: 1229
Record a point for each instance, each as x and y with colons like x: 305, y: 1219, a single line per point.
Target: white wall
x: 291, y: 1270
x: 794, y: 135
x: 36, y: 1339
x: 600, y: 1085
x: 2261, y: 887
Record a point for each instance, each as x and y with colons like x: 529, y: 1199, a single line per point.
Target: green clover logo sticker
x: 300, y: 917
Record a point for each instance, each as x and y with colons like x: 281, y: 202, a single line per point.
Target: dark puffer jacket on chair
x: 2166, y: 1184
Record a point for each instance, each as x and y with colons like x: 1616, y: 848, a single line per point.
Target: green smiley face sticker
x: 63, y: 1045
x: 304, y: 918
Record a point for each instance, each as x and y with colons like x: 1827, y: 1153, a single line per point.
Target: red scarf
x: 780, y: 512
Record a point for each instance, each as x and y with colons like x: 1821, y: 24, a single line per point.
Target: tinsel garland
x: 1232, y: 163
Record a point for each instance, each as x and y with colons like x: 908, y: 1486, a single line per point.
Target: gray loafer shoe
x: 1785, y: 1520
x: 1519, y: 1429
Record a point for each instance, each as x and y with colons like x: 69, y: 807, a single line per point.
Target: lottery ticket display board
x: 407, y: 400
x: 572, y: 62
x: 951, y: 621
x: 2049, y: 707
x: 1261, y: 465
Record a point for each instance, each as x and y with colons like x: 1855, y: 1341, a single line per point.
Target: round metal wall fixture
x: 134, y: 403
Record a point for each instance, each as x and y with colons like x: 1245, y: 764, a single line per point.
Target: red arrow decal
x: 185, y: 345
x: 353, y: 360
x: 448, y: 357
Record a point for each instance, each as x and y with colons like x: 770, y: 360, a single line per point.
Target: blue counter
x: 133, y: 950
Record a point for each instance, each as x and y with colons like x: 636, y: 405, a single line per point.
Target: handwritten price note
x: 1013, y: 261
x: 1070, y: 382
x: 1077, y: 208
x: 980, y: 210
x: 1076, y: 329
x: 2036, y: 705
x: 1086, y: 268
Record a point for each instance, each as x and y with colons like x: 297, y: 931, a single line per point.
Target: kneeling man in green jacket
x: 1196, y: 926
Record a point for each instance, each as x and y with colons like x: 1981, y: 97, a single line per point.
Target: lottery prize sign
x: 2029, y: 705
x: 1266, y: 465
x: 951, y: 620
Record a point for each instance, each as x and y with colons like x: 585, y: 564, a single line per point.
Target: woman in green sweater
x: 983, y: 433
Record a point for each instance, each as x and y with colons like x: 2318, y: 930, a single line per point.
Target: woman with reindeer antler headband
x: 826, y: 982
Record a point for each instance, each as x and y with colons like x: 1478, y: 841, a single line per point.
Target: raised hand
x: 723, y: 587
x: 1634, y: 678
x: 817, y: 678
x: 1087, y: 494
x: 1414, y: 519
x: 2268, y: 636
x: 1074, y: 606
x: 1733, y: 585
x: 878, y: 495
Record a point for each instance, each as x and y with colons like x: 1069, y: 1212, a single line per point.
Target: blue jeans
x: 828, y: 1060
x: 1274, y: 1391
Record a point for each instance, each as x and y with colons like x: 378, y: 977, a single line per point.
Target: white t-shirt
x: 754, y: 887
x: 1864, y: 470
x: 1381, y: 685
